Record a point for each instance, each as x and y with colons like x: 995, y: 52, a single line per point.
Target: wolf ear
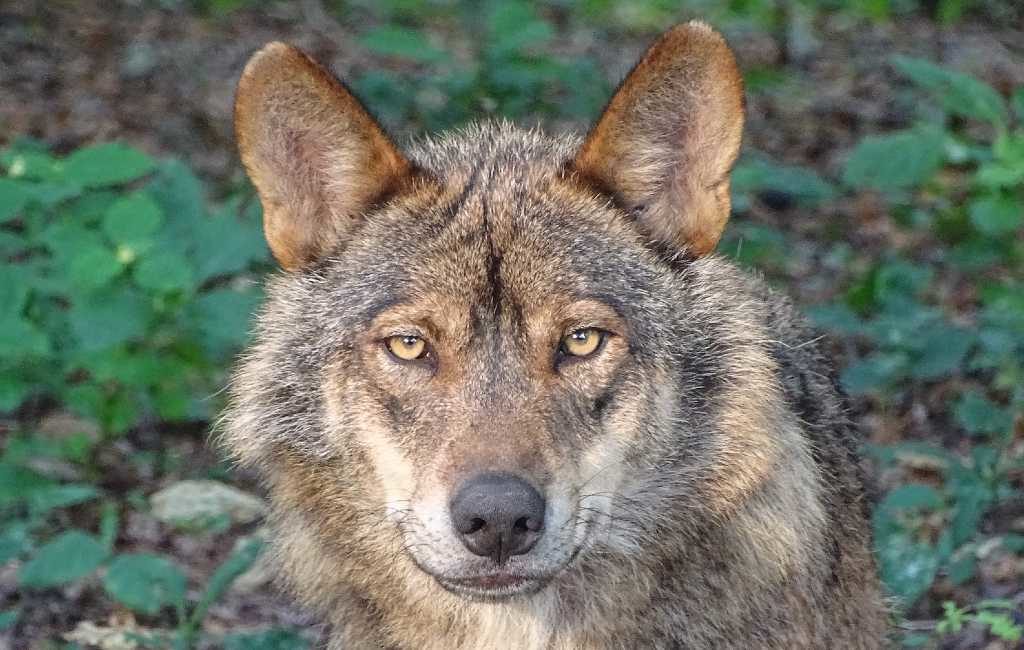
x: 669, y: 136
x: 317, y: 158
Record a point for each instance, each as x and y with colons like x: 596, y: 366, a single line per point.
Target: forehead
x: 499, y: 225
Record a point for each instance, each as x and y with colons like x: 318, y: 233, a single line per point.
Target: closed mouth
x: 494, y: 586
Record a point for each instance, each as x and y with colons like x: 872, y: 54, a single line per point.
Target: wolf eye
x: 582, y: 342
x: 406, y: 348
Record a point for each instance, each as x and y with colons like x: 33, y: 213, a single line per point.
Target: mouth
x: 493, y: 587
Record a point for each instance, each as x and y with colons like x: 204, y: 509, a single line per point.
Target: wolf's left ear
x: 668, y: 139
x: 316, y: 156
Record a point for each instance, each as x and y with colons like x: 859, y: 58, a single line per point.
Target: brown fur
x: 699, y: 471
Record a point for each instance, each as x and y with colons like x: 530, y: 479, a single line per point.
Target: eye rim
x: 424, y: 355
x: 565, y: 355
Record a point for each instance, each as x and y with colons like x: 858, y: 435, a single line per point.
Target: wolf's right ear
x: 667, y: 141
x: 317, y: 158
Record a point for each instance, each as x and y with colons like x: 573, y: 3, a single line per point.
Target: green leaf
x: 972, y: 500
x: 895, y: 161
x: 227, y: 245
x: 131, y: 223
x: 908, y: 568
x: 13, y: 391
x: 60, y: 496
x: 961, y: 94
x: 962, y: 568
x: 21, y: 339
x: 1018, y: 103
x: 110, y: 519
x: 70, y: 556
x: 14, y: 540
x: 106, y: 164
x: 180, y: 196
x: 804, y: 185
x: 950, y: 11
x: 145, y: 583
x: 996, y: 214
x: 874, y: 373
x: 102, y: 320
x: 223, y: 319
x: 266, y: 640
x: 13, y: 197
x: 979, y: 415
x: 31, y: 164
x: 92, y: 267
x: 14, y: 290
x: 912, y: 496
x: 940, y: 350
x: 8, y: 618
x: 1001, y: 625
x: 1012, y: 542
x: 18, y: 483
x: 165, y: 271
x: 515, y: 26
x: 403, y: 44
x: 238, y: 563
x: 836, y: 317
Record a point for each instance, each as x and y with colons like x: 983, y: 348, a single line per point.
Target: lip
x: 493, y: 586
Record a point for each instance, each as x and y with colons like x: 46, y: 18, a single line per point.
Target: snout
x: 498, y: 515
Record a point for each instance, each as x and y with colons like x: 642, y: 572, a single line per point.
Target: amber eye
x: 407, y: 348
x: 583, y: 342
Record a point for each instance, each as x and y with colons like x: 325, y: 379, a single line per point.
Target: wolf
x: 503, y: 394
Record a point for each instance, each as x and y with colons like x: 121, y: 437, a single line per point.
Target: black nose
x: 498, y: 515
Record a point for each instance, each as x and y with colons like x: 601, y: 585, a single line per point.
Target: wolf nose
x: 498, y: 515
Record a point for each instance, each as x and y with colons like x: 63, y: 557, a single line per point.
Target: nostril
x: 527, y: 525
x: 498, y: 515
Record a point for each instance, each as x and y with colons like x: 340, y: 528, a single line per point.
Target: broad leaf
x: 145, y: 583
x: 102, y: 320
x: 67, y: 558
x: 60, y: 496
x: 899, y: 160
x: 908, y: 568
x: 960, y: 93
x: 13, y: 197
x: 132, y: 222
x: 165, y: 271
x: 979, y: 415
x: 996, y: 214
x: 402, y: 43
x: 106, y: 164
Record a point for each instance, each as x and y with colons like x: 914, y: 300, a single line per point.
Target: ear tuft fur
x: 316, y: 156
x: 669, y: 136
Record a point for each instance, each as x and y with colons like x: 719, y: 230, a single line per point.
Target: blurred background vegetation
x: 882, y: 184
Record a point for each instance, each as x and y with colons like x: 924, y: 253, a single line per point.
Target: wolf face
x: 500, y: 368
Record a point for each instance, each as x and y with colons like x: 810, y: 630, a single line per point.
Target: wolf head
x: 496, y: 352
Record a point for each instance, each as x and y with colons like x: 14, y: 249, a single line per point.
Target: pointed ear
x: 317, y: 158
x: 668, y: 139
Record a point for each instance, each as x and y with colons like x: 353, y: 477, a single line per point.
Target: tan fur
x: 316, y: 157
x: 670, y: 136
x: 698, y: 470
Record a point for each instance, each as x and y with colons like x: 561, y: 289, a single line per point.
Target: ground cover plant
x: 882, y: 184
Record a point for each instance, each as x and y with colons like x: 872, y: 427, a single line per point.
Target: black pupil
x: 409, y: 341
x: 581, y: 335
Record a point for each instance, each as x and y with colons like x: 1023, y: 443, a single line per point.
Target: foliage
x: 996, y: 615
x: 509, y: 72
x: 123, y: 299
x: 120, y: 296
x: 124, y: 295
x: 959, y: 175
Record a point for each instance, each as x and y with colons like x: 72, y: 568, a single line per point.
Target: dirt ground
x: 161, y: 76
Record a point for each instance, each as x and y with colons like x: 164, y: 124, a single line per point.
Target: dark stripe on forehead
x: 451, y: 210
